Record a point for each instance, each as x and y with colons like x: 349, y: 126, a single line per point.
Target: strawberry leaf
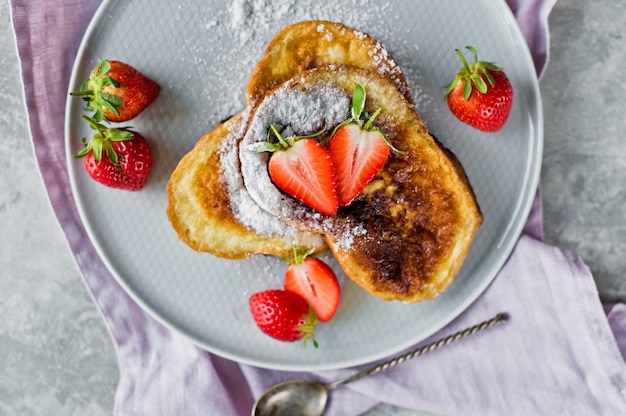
x: 358, y: 102
x: 275, y: 141
x: 480, y: 84
x: 112, y: 81
x: 298, y: 255
x: 265, y: 146
x: 103, y: 138
x: 96, y: 147
x: 110, y: 152
x: 473, y: 51
x: 473, y: 75
x: 368, y: 124
x: 111, y: 102
x: 119, y: 135
x: 91, y: 92
x: 467, y: 89
x: 358, y: 105
x: 86, y: 149
x: 310, y: 320
x: 391, y: 146
x: 103, y: 67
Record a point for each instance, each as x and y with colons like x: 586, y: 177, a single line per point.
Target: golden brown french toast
x: 205, y: 196
x: 201, y: 207
x: 407, y: 234
x: 315, y: 43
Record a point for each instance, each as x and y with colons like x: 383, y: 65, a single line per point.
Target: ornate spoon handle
x: 499, y: 318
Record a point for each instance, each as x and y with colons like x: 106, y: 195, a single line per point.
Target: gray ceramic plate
x: 201, y: 53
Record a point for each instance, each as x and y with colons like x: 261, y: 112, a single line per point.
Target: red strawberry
x: 125, y: 162
x: 480, y: 94
x: 357, y: 156
x: 315, y: 282
x: 283, y: 315
x: 301, y: 167
x: 357, y: 150
x: 117, y: 92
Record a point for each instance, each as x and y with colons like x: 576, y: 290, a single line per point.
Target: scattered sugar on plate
x: 245, y: 27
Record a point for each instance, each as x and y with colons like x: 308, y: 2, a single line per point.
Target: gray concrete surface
x: 56, y: 357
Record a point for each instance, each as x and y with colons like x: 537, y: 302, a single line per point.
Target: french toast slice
x: 206, y: 196
x: 313, y: 43
x: 200, y: 205
x: 407, y: 234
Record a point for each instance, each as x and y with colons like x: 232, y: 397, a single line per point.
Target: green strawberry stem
x: 368, y: 123
x: 103, y: 138
x: 299, y: 255
x: 473, y: 75
x: 282, y: 142
x: 310, y: 321
x: 82, y: 92
x: 269, y: 145
x: 356, y: 111
x: 91, y: 91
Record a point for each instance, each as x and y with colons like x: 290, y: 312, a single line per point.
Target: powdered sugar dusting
x: 328, y: 35
x: 245, y: 27
x: 243, y: 206
x: 295, y: 112
x: 346, y: 238
x: 248, y: 26
x: 250, y: 17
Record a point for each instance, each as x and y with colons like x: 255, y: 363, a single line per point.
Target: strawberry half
x: 358, y: 150
x: 117, y: 158
x: 301, y: 167
x: 315, y: 281
x: 357, y: 156
x: 283, y: 315
x: 480, y: 95
x: 117, y: 92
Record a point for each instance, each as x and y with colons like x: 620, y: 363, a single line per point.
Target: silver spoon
x: 309, y: 397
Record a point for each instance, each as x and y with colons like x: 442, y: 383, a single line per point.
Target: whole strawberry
x: 117, y: 158
x: 283, y: 315
x: 117, y: 92
x: 481, y: 94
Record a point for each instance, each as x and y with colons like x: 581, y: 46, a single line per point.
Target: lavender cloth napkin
x: 559, y: 354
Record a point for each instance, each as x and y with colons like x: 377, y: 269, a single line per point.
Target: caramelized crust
x: 406, y: 236
x: 316, y: 43
x: 418, y: 218
x: 200, y: 207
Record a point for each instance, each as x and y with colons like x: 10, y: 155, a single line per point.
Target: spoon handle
x: 499, y: 318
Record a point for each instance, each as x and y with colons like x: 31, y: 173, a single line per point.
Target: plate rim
x: 522, y: 210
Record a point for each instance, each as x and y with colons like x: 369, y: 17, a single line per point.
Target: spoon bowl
x: 309, y: 397
x: 293, y: 397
